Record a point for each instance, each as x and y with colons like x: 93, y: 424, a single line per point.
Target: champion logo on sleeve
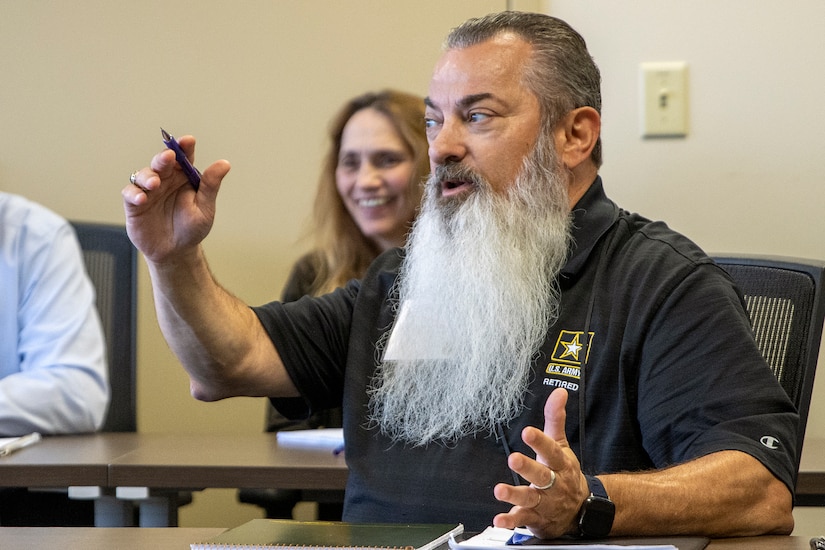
x: 770, y: 442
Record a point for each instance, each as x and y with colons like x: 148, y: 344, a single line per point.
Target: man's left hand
x: 552, y: 511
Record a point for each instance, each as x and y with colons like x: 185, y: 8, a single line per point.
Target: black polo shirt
x: 672, y: 373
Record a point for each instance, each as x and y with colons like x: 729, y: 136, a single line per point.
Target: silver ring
x: 550, y: 484
x: 133, y: 177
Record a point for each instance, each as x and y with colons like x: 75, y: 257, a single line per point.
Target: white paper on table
x: 322, y: 438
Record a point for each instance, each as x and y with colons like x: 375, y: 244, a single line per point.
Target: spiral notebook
x: 283, y: 534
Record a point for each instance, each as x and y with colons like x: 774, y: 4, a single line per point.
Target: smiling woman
x: 368, y: 192
x: 373, y: 177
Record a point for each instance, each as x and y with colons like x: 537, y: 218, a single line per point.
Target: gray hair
x: 562, y: 74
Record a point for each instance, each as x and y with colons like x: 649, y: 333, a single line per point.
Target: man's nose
x: 447, y: 144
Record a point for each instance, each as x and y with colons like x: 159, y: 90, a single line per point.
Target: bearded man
x: 522, y: 284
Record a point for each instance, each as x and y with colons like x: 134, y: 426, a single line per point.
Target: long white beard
x: 478, y: 291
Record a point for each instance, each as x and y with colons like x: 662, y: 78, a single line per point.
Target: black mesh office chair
x: 786, y: 304
x: 111, y: 261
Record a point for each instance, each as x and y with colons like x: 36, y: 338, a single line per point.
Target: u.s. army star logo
x: 570, y: 348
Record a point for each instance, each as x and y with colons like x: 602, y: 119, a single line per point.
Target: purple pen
x: 190, y: 171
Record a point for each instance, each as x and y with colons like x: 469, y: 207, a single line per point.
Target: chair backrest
x: 111, y: 261
x: 786, y: 304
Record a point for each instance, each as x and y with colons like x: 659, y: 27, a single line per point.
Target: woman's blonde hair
x: 342, y: 251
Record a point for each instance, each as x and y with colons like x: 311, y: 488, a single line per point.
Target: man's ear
x: 576, y: 135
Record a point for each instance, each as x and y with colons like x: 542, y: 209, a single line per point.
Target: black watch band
x: 596, y: 487
x: 597, y: 512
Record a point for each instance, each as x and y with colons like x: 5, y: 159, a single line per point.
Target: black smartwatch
x: 597, y: 512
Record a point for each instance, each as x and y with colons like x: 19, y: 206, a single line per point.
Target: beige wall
x: 84, y: 86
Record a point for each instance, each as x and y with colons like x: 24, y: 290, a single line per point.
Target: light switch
x: 664, y: 99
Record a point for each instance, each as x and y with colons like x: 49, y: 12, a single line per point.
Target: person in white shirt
x: 53, y: 371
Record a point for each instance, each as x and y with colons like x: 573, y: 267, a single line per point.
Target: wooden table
x: 121, y: 470
x: 178, y: 538
x: 62, y: 461
x: 172, y: 460
x: 196, y: 461
x: 762, y: 543
x: 102, y: 538
x: 155, y: 472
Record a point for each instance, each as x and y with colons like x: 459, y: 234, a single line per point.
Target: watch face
x: 597, y: 517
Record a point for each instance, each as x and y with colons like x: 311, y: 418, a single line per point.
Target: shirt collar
x: 591, y: 218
